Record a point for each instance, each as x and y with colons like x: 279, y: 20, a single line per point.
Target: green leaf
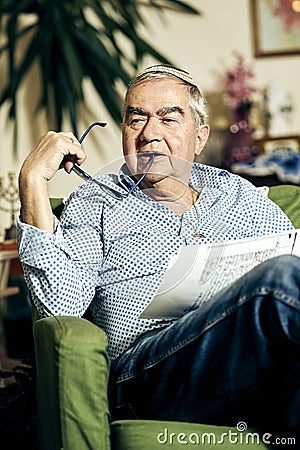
x: 69, y: 46
x: 18, y: 36
x: 175, y: 5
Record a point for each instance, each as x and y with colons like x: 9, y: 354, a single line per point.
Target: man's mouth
x: 150, y: 153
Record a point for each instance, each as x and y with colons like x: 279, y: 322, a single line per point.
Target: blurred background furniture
x: 6, y: 256
x: 15, y: 310
x: 17, y: 385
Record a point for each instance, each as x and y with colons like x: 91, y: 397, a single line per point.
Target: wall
x: 202, y: 45
x: 205, y: 45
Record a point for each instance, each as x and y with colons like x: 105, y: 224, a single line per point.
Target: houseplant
x: 71, y: 41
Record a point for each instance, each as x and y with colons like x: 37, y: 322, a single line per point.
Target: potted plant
x: 74, y: 40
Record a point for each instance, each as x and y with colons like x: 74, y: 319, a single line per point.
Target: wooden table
x: 9, y: 265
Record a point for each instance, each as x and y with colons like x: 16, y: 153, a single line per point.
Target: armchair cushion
x: 145, y: 434
x: 288, y: 198
x: 72, y: 370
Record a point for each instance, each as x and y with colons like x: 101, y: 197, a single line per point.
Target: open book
x: 198, y: 272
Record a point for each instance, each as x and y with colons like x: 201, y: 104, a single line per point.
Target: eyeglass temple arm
x: 80, y: 172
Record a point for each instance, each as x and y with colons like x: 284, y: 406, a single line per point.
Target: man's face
x: 157, y: 119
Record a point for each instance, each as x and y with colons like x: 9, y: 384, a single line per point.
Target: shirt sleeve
x: 61, y: 269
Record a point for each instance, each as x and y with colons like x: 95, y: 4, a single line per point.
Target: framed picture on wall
x: 275, y: 27
x: 279, y: 144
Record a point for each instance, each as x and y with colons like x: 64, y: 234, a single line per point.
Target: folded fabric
x: 284, y: 162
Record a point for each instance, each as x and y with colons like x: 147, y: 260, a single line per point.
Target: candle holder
x: 9, y: 195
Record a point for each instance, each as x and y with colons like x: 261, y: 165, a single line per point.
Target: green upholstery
x: 288, y: 198
x: 155, y: 435
x: 57, y: 206
x: 72, y: 371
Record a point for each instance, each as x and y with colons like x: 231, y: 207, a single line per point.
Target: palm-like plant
x: 74, y: 40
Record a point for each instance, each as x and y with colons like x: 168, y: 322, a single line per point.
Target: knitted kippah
x: 163, y: 68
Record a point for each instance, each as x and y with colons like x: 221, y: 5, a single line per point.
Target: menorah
x: 9, y: 195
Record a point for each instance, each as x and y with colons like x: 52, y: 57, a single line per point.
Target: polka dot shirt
x: 109, y: 255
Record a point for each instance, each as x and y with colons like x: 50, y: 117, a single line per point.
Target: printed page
x: 198, y: 272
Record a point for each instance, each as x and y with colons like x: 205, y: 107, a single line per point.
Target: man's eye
x: 136, y: 119
x: 169, y: 120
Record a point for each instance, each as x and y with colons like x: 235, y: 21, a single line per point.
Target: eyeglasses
x: 87, y: 177
x: 106, y: 189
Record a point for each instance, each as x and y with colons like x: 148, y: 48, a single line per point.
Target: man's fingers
x: 72, y: 149
x: 68, y: 162
x: 52, y: 152
x: 68, y: 166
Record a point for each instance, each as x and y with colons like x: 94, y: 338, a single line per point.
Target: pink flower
x: 237, y: 83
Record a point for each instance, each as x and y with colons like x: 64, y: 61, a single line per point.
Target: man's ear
x: 202, y: 137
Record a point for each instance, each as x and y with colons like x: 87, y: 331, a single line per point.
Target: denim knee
x: 280, y: 278
x: 284, y: 264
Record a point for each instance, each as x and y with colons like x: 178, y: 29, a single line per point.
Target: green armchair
x: 72, y: 369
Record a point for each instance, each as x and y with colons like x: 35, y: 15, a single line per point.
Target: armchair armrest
x: 72, y: 361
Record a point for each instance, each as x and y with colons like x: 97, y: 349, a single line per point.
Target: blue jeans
x: 236, y: 358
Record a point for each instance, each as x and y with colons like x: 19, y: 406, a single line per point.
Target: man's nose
x: 151, y: 130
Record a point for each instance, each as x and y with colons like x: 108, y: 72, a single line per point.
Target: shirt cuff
x: 33, y: 242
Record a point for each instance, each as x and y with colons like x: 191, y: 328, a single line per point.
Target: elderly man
x: 235, y: 357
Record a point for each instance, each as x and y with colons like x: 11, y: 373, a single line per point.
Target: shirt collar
x: 124, y: 178
x: 203, y: 177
